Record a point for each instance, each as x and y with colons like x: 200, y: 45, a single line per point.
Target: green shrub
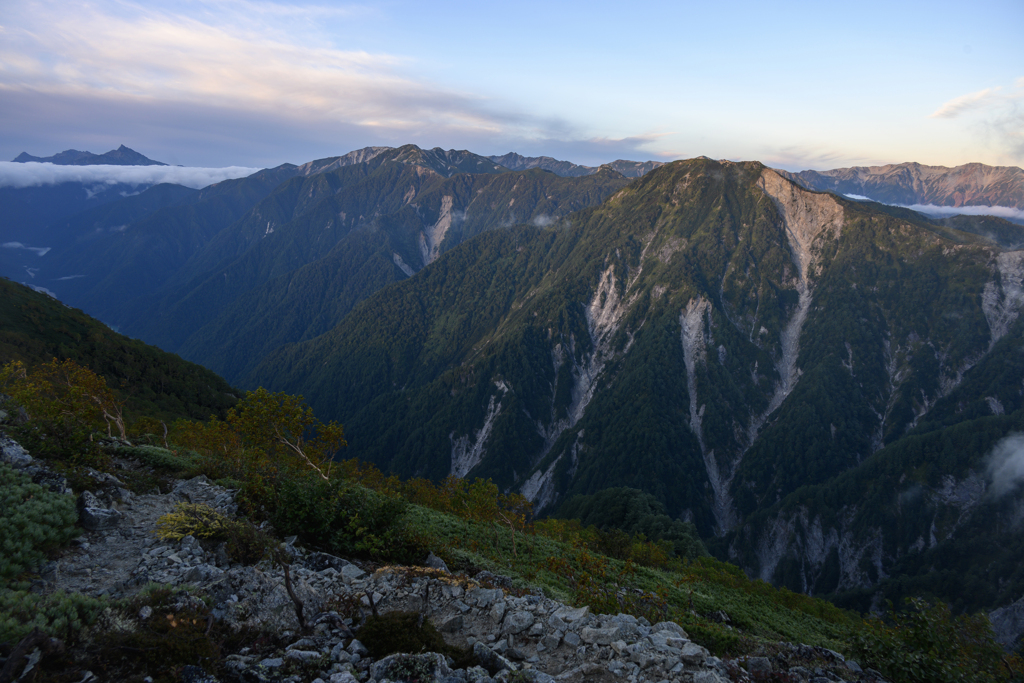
x: 926, y: 644
x: 245, y: 543
x: 61, y: 615
x: 33, y: 520
x: 346, y: 519
x: 161, y: 458
x: 408, y: 632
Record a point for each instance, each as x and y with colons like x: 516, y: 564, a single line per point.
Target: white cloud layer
x: 33, y: 174
x: 1007, y: 212
x: 40, y: 251
x: 1006, y: 465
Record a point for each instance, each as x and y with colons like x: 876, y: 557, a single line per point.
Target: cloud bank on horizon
x: 937, y: 211
x: 261, y: 82
x: 33, y: 173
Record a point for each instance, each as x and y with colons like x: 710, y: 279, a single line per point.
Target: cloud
x: 40, y: 251
x: 261, y: 77
x: 996, y: 115
x: 1005, y: 465
x: 800, y: 158
x: 33, y: 174
x: 1007, y: 212
x: 959, y: 105
x: 232, y: 58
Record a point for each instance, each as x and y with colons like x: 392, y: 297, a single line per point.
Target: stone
x: 498, y: 612
x: 550, y: 642
x: 670, y: 626
x: 98, y: 518
x: 338, y: 652
x: 492, y: 661
x: 517, y: 622
x: 343, y: 677
x: 13, y: 454
x: 357, y: 648
x: 708, y: 677
x: 692, y: 653
x: 571, y: 639
x: 272, y: 662
x: 854, y: 666
x: 352, y: 573
x: 319, y: 562
x: 570, y: 614
x: 599, y: 636
x: 435, y: 562
x: 485, y: 597
x: 302, y: 655
x: 757, y: 665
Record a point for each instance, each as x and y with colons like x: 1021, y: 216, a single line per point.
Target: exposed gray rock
x: 13, y: 454
x: 491, y: 660
x: 94, y: 516
x: 352, y: 572
x: 517, y: 622
x: 600, y: 636
x: 435, y: 562
x: 1008, y: 623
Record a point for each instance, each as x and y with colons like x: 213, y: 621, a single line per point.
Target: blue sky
x: 793, y: 84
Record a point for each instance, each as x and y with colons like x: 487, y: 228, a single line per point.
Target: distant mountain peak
x: 517, y: 162
x: 122, y: 156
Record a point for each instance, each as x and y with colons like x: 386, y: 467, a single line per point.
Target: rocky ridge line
x: 516, y: 637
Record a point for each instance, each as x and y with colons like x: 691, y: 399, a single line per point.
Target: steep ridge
x: 319, y: 245
x: 913, y: 183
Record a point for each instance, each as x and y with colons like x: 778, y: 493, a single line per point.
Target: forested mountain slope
x: 36, y: 328
x: 713, y: 334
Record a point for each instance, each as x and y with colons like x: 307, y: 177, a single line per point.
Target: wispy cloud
x: 997, y: 115
x: 1005, y: 465
x: 33, y: 174
x: 976, y: 100
x: 40, y: 251
x: 801, y: 158
x: 240, y: 64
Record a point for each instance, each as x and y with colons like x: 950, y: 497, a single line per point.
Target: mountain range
x: 823, y: 386
x: 911, y: 183
x: 122, y: 156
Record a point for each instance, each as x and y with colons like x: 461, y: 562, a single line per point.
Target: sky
x: 251, y: 83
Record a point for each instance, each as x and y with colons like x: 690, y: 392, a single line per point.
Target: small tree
x: 65, y: 403
x: 283, y: 427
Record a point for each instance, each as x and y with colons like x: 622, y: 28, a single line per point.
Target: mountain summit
x: 122, y: 156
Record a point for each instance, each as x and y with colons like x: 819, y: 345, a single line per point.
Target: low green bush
x: 161, y: 458
x: 926, y: 644
x: 346, y: 519
x: 33, y: 520
x: 245, y: 543
x: 409, y: 632
x: 62, y: 615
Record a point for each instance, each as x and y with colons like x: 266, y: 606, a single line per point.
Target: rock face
x: 911, y: 183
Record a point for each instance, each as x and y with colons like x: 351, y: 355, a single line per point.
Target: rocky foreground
x: 315, y: 613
